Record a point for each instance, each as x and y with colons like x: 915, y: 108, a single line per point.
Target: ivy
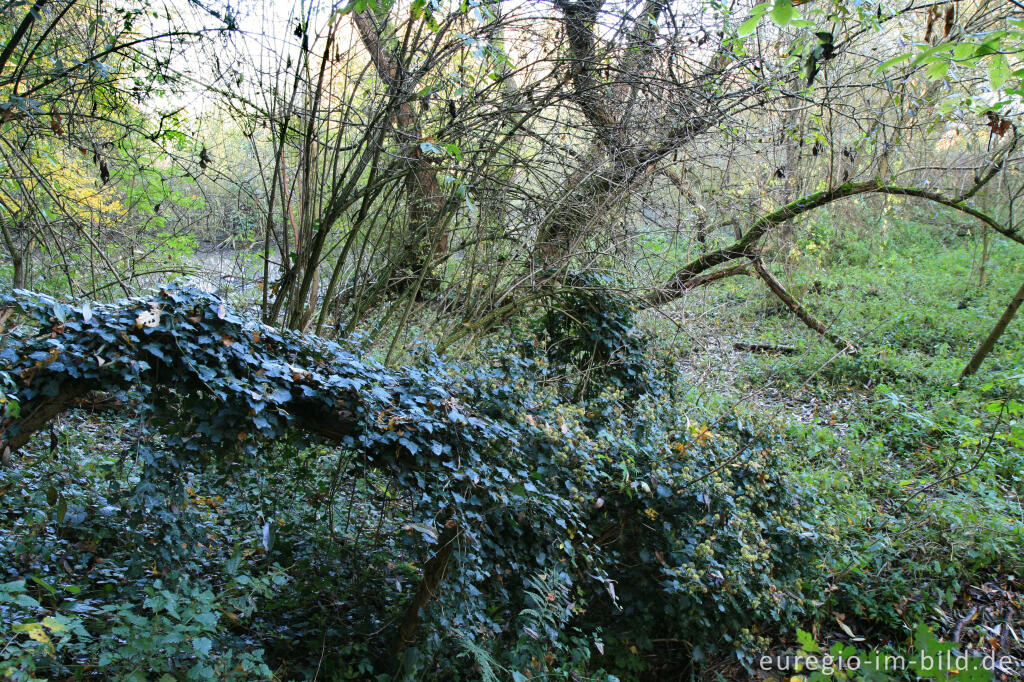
x: 629, y: 521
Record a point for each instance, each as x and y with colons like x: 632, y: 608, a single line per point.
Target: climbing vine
x: 629, y: 521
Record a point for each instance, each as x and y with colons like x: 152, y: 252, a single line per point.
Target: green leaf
x: 990, y: 46
x: 807, y: 642
x: 46, y: 586
x: 455, y: 151
x: 782, y: 13
x: 893, y: 62
x: 998, y: 71
x: 26, y: 601
x: 964, y: 51
x: 202, y: 645
x: 937, y: 71
x: 54, y: 625
x: 933, y: 53
x: 749, y: 26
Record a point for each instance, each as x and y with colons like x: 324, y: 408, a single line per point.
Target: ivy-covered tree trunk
x: 510, y: 495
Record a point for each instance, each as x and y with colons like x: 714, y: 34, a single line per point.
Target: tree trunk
x: 18, y: 278
x: 985, y: 237
x: 433, y: 573
x: 776, y: 288
x: 426, y: 199
x: 19, y: 250
x: 990, y: 341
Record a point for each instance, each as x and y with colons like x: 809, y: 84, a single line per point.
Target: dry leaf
x: 148, y: 318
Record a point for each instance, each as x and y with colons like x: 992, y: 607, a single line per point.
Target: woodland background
x: 580, y: 339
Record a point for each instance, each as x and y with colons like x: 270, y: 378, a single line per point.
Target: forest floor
x: 921, y: 475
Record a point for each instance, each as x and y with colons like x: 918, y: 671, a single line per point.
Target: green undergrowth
x: 262, y: 505
x: 919, y: 475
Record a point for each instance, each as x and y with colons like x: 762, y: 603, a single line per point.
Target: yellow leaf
x: 39, y: 635
x: 54, y: 624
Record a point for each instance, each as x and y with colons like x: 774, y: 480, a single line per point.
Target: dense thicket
x: 400, y: 168
x: 634, y: 524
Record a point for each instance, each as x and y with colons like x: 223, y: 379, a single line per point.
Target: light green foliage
x: 919, y: 476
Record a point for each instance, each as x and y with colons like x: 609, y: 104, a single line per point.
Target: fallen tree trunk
x: 37, y: 414
x: 765, y: 348
x: 989, y: 343
x: 230, y: 381
x: 812, y: 322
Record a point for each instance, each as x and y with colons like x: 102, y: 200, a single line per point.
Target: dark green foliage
x: 591, y: 328
x: 585, y: 530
